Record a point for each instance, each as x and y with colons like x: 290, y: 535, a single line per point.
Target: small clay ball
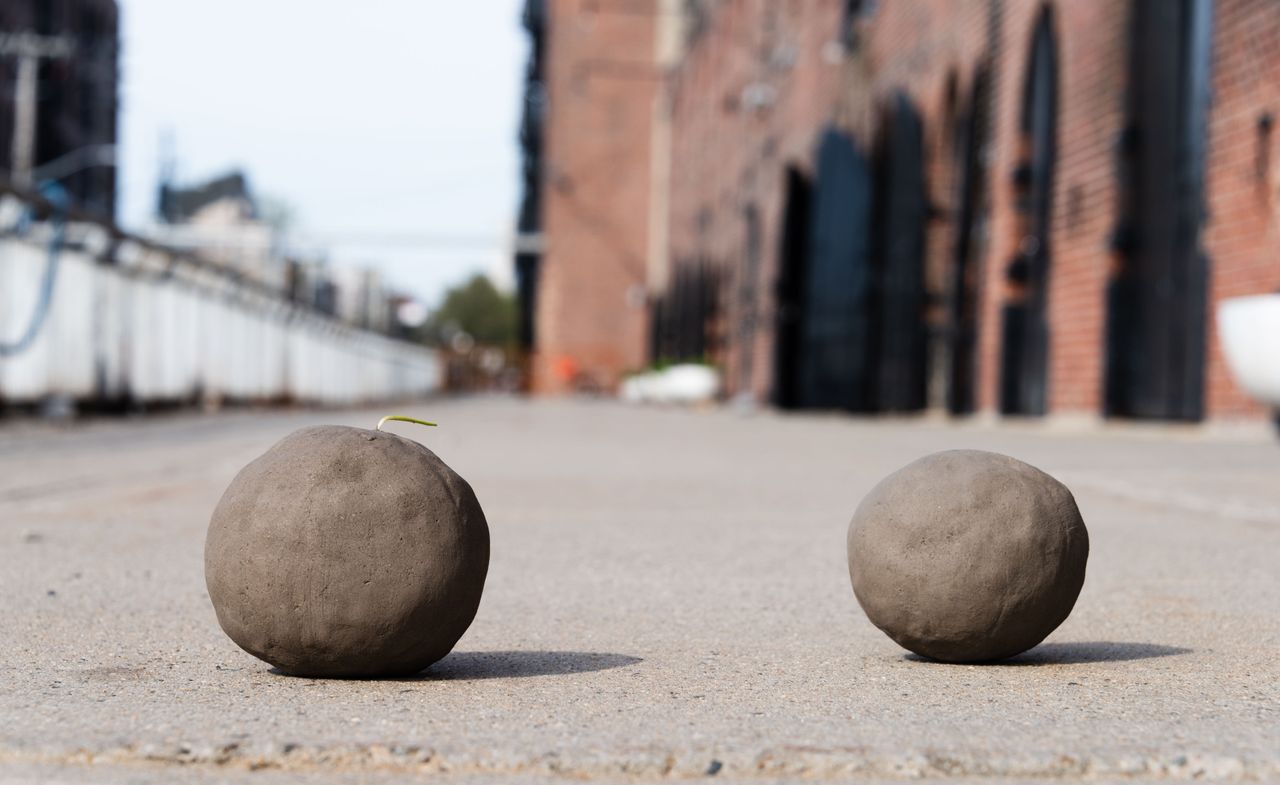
x: 966, y: 556
x: 347, y: 552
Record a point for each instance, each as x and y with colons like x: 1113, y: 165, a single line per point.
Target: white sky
x: 379, y: 117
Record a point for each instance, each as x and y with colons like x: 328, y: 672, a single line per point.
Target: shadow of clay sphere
x: 347, y: 552
x: 967, y: 556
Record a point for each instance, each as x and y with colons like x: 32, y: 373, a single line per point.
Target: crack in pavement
x: 648, y: 764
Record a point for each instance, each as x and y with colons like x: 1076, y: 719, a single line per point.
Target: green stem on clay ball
x: 401, y: 418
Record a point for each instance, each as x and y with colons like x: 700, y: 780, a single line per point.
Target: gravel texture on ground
x: 667, y: 597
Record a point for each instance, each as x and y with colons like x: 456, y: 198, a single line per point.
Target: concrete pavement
x: 667, y: 598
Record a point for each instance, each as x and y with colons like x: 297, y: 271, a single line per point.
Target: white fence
x: 151, y: 326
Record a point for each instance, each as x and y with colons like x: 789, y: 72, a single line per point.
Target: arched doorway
x: 789, y: 291
x: 898, y: 226
x: 748, y: 300
x: 1156, y: 301
x: 970, y: 243
x: 835, y: 365
x: 1024, y: 362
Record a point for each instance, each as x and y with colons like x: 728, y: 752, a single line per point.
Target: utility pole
x: 30, y: 49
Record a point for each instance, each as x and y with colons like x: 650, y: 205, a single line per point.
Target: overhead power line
x: 524, y: 243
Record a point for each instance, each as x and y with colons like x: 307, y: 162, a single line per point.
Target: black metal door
x: 900, y: 213
x: 659, y: 329
x: 970, y: 242
x: 789, y: 293
x: 526, y: 299
x: 835, y: 363
x: 684, y: 314
x: 1024, y: 361
x: 748, y: 300
x: 1157, y: 301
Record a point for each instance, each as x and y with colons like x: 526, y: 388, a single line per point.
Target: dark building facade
x: 529, y: 219
x: 176, y: 205
x: 76, y: 95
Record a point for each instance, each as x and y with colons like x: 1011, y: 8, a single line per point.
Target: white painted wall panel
x: 160, y: 331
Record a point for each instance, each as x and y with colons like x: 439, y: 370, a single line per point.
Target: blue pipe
x: 57, y: 195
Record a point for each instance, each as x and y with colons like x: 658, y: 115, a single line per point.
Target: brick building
x: 1017, y: 206
x: 75, y: 95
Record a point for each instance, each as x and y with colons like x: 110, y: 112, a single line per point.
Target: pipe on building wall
x: 44, y: 295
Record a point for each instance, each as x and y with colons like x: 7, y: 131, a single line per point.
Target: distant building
x: 309, y: 282
x: 76, y: 96
x: 363, y: 299
x: 219, y: 221
x: 1023, y: 207
x: 222, y: 200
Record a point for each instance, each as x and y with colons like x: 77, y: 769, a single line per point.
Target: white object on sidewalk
x: 1250, y: 331
x: 682, y: 384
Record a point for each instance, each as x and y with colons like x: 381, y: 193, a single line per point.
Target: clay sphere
x: 967, y: 556
x: 347, y: 552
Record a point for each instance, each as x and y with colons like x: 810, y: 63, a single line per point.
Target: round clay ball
x: 968, y: 556
x: 347, y: 552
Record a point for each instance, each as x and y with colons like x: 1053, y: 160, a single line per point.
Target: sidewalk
x: 667, y: 596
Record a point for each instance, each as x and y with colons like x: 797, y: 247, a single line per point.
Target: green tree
x: 478, y: 309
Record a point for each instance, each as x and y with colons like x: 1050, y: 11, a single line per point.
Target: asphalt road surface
x: 667, y: 598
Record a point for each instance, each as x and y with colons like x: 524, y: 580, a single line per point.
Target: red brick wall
x: 1241, y: 236
x: 602, y: 82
